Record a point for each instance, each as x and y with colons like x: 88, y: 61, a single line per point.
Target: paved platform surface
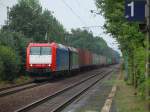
x: 113, y: 107
x: 94, y: 99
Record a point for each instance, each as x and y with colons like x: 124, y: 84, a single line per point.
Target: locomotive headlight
x: 49, y: 65
x: 31, y: 65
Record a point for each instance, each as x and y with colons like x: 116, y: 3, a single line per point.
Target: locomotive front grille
x: 35, y: 70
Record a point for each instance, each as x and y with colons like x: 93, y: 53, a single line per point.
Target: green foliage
x: 28, y: 18
x: 10, y: 63
x: 22, y: 79
x: 17, y: 42
x: 132, y: 42
x: 86, y: 40
x: 1, y: 67
x: 28, y: 22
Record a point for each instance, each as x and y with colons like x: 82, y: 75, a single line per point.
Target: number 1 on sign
x: 132, y: 8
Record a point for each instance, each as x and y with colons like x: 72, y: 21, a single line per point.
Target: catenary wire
x: 74, y: 13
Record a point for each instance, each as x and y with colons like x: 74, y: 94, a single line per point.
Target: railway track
x: 18, y: 88
x: 9, y: 87
x: 62, y: 98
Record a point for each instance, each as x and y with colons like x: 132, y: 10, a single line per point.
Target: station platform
x: 97, y: 98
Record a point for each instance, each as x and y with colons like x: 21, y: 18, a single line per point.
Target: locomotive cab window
x: 40, y: 51
x: 45, y: 51
x: 35, y: 51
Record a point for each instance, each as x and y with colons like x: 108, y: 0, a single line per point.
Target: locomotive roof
x: 39, y: 44
x: 73, y: 49
x: 61, y: 46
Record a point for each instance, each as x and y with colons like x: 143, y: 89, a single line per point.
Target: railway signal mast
x: 147, y: 14
x: 139, y: 10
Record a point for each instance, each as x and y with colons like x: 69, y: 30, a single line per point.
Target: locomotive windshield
x: 35, y: 51
x: 45, y: 51
x: 40, y: 51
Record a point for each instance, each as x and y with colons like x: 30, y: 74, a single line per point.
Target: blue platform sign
x: 135, y: 10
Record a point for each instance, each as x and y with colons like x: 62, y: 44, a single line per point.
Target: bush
x: 1, y: 67
x: 11, y: 63
x: 18, y: 43
x: 22, y: 79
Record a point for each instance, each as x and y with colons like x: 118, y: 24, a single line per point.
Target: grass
x: 4, y: 84
x: 20, y: 80
x: 112, y: 81
x: 126, y: 101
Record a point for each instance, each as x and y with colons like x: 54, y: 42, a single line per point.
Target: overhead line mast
x: 148, y: 47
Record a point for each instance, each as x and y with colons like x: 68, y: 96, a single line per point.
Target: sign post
x: 135, y: 10
x: 147, y: 74
x: 139, y: 10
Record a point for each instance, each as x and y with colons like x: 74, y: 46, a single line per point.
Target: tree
x: 10, y: 63
x: 1, y: 68
x: 132, y: 42
x: 28, y: 18
x: 18, y: 43
x: 84, y: 39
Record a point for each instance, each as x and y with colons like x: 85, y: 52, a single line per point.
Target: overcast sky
x: 70, y: 13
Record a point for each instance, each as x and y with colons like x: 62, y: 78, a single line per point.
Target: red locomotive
x: 46, y: 59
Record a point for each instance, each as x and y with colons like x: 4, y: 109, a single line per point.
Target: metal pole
x: 147, y: 74
x: 126, y: 66
x: 7, y: 15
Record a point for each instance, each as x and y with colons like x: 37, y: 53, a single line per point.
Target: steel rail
x: 9, y: 87
x: 22, y: 87
x: 43, y: 100
x: 69, y: 101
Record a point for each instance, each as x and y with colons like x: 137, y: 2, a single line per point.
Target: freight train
x: 43, y: 60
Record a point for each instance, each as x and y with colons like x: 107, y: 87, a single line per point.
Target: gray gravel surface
x: 55, y: 102
x: 15, y: 101
x: 113, y: 107
x: 94, y: 99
